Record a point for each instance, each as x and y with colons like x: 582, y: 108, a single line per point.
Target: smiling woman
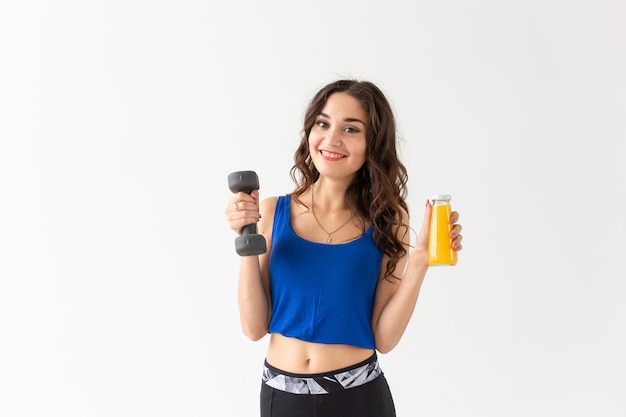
x: 338, y: 282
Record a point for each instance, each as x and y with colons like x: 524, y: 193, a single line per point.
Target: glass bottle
x: 440, y: 251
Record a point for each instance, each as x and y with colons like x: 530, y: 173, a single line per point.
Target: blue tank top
x: 322, y: 293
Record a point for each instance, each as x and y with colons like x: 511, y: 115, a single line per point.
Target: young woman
x: 338, y: 281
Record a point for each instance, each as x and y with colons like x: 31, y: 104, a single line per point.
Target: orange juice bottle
x: 440, y: 251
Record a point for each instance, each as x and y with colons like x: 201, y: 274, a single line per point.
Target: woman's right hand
x: 243, y: 209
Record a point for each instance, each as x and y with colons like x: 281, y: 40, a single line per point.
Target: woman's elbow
x: 385, y: 346
x: 254, y: 334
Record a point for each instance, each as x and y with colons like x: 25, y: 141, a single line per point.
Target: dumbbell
x: 250, y: 242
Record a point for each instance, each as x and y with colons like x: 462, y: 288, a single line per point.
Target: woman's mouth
x: 331, y: 156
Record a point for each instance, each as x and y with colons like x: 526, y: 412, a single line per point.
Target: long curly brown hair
x: 378, y: 191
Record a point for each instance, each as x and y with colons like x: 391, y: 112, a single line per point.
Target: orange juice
x: 440, y: 251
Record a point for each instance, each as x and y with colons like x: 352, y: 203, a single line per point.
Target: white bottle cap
x: 440, y: 197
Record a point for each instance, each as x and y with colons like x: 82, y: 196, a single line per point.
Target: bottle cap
x: 440, y: 197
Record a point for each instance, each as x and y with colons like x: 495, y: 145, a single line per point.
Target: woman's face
x: 337, y: 140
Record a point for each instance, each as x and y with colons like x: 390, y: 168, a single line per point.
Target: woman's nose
x: 334, y: 137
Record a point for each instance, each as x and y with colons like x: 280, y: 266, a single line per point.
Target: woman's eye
x: 351, y: 130
x: 321, y: 123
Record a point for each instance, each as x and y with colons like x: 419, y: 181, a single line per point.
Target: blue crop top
x: 322, y: 293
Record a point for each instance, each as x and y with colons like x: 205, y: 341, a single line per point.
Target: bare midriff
x: 299, y: 357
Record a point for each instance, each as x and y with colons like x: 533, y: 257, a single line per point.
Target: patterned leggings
x: 360, y: 390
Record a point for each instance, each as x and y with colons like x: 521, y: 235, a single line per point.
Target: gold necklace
x: 328, y: 238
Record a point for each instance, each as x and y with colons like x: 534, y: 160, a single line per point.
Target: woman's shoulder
x: 272, y: 201
x: 269, y: 207
x: 268, y: 203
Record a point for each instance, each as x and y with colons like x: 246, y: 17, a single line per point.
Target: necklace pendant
x: 328, y: 239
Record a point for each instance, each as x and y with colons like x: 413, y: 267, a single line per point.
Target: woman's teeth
x: 331, y: 155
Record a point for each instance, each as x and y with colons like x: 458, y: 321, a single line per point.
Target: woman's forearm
x: 253, y: 299
x: 399, y: 309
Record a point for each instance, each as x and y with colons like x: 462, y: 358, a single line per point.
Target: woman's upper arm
x: 267, y: 207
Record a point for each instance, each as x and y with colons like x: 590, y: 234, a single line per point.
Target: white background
x: 120, y: 121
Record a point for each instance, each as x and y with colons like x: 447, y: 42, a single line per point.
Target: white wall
x: 120, y: 120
